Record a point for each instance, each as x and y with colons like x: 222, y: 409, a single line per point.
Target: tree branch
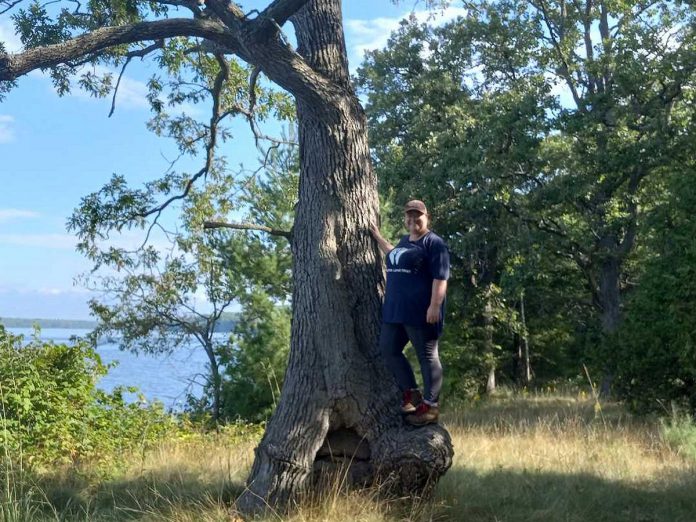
x: 589, y: 50
x: 626, y: 244
x: 10, y: 5
x: 191, y: 5
x: 565, y: 68
x: 248, y: 113
x: 141, y: 53
x: 158, y: 209
x: 208, y: 225
x: 268, y: 22
x: 12, y: 66
x: 277, y: 59
x: 228, y: 12
x: 280, y: 11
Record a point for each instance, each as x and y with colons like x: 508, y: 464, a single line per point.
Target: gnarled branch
x: 12, y: 66
x: 280, y: 11
x: 277, y: 59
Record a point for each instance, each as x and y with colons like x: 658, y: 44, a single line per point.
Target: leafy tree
x: 440, y: 136
x: 566, y: 108
x: 152, y: 301
x: 332, y: 384
x: 656, y: 355
x: 157, y: 304
x: 256, y: 357
x: 254, y: 374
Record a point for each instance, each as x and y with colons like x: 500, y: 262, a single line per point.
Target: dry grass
x: 551, y: 458
x: 540, y: 458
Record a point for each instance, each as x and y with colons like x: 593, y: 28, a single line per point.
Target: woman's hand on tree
x: 374, y: 230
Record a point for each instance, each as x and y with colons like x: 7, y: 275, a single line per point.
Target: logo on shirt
x: 396, y: 254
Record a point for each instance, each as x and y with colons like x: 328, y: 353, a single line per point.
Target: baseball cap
x: 417, y: 205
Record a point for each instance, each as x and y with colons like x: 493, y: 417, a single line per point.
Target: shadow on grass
x: 151, y: 495
x: 512, y: 496
x: 463, y: 494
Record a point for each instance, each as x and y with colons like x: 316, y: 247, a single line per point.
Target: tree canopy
x: 540, y: 131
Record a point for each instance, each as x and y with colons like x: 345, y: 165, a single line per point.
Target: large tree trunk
x: 610, y: 302
x: 523, y: 364
x: 216, y: 380
x: 488, y: 342
x: 338, y: 405
x: 610, y: 294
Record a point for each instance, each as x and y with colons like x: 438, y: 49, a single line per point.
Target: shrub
x: 51, y: 411
x: 680, y: 433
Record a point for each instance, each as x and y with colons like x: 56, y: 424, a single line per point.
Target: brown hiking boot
x: 411, y: 399
x: 424, y: 414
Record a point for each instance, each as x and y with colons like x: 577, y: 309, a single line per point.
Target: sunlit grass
x: 540, y: 457
x: 553, y: 458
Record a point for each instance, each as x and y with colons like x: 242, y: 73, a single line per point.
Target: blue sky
x: 55, y: 150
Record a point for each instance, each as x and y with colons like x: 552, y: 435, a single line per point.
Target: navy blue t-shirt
x: 411, y: 268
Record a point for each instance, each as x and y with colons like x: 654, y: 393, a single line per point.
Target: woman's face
x: 416, y: 223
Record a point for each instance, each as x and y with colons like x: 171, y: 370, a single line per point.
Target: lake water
x: 167, y: 378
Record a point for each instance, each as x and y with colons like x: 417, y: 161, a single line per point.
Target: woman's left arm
x: 438, y: 294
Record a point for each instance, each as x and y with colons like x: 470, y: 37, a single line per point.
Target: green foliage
x: 537, y: 133
x: 460, y: 147
x: 256, y: 357
x: 679, y: 431
x: 656, y: 347
x: 254, y: 374
x: 52, y: 413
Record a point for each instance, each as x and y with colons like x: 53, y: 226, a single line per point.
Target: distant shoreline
x: 226, y: 324
x: 16, y: 322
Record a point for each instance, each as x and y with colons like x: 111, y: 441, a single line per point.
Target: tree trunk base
x: 404, y: 461
x: 410, y: 460
x: 276, y: 482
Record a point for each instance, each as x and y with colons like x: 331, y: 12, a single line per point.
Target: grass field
x: 523, y: 458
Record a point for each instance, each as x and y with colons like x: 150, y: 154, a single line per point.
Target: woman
x: 413, y: 310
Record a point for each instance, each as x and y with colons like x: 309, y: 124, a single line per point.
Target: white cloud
x: 367, y: 35
x: 8, y: 37
x: 51, y: 241
x: 132, y: 94
x: 6, y: 128
x: 52, y: 302
x: 6, y: 214
x: 52, y: 291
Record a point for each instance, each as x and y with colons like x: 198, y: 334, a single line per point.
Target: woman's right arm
x: 384, y: 245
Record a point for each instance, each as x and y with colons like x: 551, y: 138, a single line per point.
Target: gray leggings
x: 392, y: 342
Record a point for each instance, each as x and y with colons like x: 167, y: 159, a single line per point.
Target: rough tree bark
x: 339, y: 405
x: 527, y: 366
x: 488, y: 349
